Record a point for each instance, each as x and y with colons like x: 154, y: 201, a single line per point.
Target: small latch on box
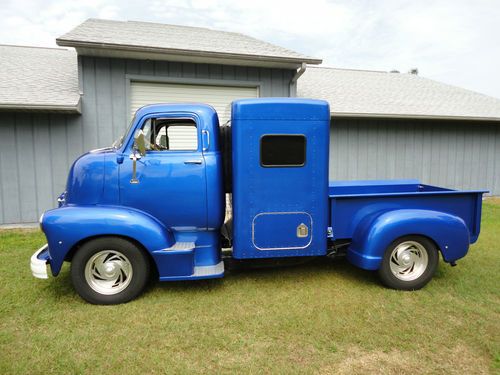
x: 302, y: 230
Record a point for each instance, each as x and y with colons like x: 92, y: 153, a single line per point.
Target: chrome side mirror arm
x: 134, y: 156
x: 138, y: 151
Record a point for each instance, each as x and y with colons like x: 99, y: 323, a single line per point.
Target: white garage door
x: 219, y: 97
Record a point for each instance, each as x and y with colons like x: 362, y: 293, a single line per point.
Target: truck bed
x: 351, y: 201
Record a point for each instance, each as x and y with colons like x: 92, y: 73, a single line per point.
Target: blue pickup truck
x: 155, y: 204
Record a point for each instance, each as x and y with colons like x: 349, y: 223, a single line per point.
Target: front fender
x: 375, y: 233
x: 66, y: 226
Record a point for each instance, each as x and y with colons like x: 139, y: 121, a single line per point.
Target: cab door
x: 170, y: 182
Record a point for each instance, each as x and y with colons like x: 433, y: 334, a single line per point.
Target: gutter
x: 299, y: 72
x: 177, y: 51
x: 43, y: 107
x: 411, y: 116
x: 295, y: 78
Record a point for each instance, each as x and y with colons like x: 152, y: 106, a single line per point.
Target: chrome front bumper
x: 39, y: 265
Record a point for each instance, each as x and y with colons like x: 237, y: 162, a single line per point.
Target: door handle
x: 207, y: 146
x: 195, y: 161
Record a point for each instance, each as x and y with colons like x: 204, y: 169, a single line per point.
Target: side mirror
x: 140, y: 142
x: 140, y: 146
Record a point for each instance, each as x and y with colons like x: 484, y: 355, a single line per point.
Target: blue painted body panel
x: 284, y: 227
x: 86, y: 178
x: 173, y: 201
x: 64, y: 227
x: 180, y: 204
x: 375, y: 213
x: 269, y: 203
x: 186, y: 199
x: 277, y: 211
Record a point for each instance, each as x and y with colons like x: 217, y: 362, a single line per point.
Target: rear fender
x: 375, y: 233
x: 67, y: 226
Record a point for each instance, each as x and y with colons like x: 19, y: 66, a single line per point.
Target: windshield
x: 119, y: 142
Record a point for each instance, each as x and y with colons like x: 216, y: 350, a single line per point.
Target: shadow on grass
x: 60, y: 288
x: 312, y: 269
x: 339, y: 269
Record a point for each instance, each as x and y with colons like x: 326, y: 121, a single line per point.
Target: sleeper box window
x: 282, y: 150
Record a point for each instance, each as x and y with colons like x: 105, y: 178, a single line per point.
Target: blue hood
x: 86, y: 178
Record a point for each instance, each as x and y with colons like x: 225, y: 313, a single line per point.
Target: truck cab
x: 154, y: 203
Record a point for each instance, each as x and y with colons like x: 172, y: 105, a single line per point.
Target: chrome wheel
x: 108, y: 272
x: 409, y: 260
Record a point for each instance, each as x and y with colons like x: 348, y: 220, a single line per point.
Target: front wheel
x: 409, y: 263
x: 109, y: 270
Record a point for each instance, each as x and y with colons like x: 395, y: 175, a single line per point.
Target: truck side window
x: 170, y: 134
x: 282, y: 150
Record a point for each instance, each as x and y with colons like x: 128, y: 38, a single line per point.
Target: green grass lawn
x: 322, y: 317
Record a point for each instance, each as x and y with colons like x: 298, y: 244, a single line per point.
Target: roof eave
x: 69, y: 108
x: 411, y: 116
x: 165, y: 54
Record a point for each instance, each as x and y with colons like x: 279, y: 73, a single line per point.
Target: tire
x: 409, y: 263
x: 109, y: 271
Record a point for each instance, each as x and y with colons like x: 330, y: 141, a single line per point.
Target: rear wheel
x: 109, y: 270
x: 409, y: 263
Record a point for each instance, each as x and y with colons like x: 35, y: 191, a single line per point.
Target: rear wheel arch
x: 371, y: 237
x: 427, y: 237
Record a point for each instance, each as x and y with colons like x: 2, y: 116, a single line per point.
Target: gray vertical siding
x: 37, y: 149
x: 35, y: 153
x: 460, y: 155
x: 104, y: 84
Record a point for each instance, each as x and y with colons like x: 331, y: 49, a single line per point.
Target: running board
x: 217, y: 269
x: 181, y: 246
x: 200, y: 272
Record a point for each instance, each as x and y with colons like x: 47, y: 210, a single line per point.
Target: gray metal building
x: 55, y: 104
x: 391, y: 125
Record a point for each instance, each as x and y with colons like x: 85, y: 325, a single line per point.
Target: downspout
x: 297, y: 75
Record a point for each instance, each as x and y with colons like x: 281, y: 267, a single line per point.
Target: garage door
x: 220, y: 97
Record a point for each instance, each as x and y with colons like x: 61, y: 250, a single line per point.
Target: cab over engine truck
x: 154, y: 204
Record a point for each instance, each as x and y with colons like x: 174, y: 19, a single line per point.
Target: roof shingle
x: 162, y: 38
x: 38, y: 78
x: 47, y: 79
x: 363, y: 93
